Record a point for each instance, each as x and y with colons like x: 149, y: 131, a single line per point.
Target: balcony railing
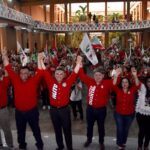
x: 123, y: 26
x: 11, y: 14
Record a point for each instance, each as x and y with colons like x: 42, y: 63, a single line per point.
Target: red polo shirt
x: 125, y: 101
x: 25, y: 92
x: 98, y: 95
x: 3, y: 91
x: 59, y: 93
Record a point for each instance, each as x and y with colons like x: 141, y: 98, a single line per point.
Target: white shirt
x: 76, y: 93
x: 141, y: 106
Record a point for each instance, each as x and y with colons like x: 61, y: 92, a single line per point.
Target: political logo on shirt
x: 64, y: 84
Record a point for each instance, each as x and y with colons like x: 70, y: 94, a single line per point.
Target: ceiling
x: 44, y: 2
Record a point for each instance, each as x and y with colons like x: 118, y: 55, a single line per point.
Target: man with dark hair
x: 25, y: 91
x: 59, y: 93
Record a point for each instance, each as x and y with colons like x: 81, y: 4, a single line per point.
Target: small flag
x: 96, y: 43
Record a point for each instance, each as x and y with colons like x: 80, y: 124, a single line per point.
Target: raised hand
x: 41, y: 56
x: 78, y: 64
x: 5, y: 57
x: 118, y: 71
x: 4, y: 51
x: 79, y: 60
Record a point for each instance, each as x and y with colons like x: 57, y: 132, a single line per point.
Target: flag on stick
x: 23, y: 56
x: 87, y: 49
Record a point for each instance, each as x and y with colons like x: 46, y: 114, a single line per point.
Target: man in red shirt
x: 25, y: 92
x: 4, y: 114
x: 59, y: 93
x: 98, y: 95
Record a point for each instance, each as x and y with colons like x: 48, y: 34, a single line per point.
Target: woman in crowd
x: 124, y: 113
x: 143, y: 115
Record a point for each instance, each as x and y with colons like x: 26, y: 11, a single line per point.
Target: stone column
x: 30, y: 39
x: 88, y: 8
x: 66, y: 21
x: 52, y: 20
x: 124, y: 9
x: 106, y: 11
x: 106, y: 33
x: 144, y: 17
x: 52, y: 13
x: 126, y: 44
x: 18, y: 37
x: 140, y: 11
x: 40, y: 39
x: 3, y: 35
x: 144, y: 10
x: 66, y: 13
x: 128, y: 11
x: 52, y: 39
x: 70, y: 17
x: 106, y: 39
x: 44, y: 10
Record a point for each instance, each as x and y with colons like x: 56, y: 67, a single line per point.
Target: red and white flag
x: 96, y: 43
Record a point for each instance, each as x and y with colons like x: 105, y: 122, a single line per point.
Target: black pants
x: 61, y: 120
x: 144, y: 129
x: 45, y: 97
x: 98, y: 115
x: 75, y: 105
x: 31, y: 117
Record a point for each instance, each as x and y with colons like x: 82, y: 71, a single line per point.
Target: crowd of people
x: 60, y: 82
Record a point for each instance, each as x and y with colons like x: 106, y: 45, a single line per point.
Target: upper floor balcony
x: 19, y: 17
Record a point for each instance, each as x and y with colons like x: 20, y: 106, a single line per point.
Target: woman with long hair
x: 125, y: 110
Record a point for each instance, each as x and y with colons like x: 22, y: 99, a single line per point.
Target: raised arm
x: 41, y: 64
x: 134, y: 73
x: 116, y: 75
x: 78, y: 64
x: 40, y: 61
x: 12, y: 74
x: 5, y: 57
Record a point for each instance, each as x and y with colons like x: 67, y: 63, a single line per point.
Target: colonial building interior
x: 35, y: 23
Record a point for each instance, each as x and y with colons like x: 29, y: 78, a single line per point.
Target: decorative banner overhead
x: 13, y: 15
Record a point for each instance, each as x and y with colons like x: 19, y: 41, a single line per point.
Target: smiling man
x: 25, y: 91
x: 59, y: 92
x: 97, y: 98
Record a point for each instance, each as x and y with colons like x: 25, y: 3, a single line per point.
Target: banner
x: 87, y: 49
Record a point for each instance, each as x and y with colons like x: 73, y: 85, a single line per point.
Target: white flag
x: 23, y: 56
x: 87, y: 49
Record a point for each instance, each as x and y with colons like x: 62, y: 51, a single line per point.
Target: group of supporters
x: 121, y: 82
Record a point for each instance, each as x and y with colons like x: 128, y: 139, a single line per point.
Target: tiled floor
x: 79, y: 133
